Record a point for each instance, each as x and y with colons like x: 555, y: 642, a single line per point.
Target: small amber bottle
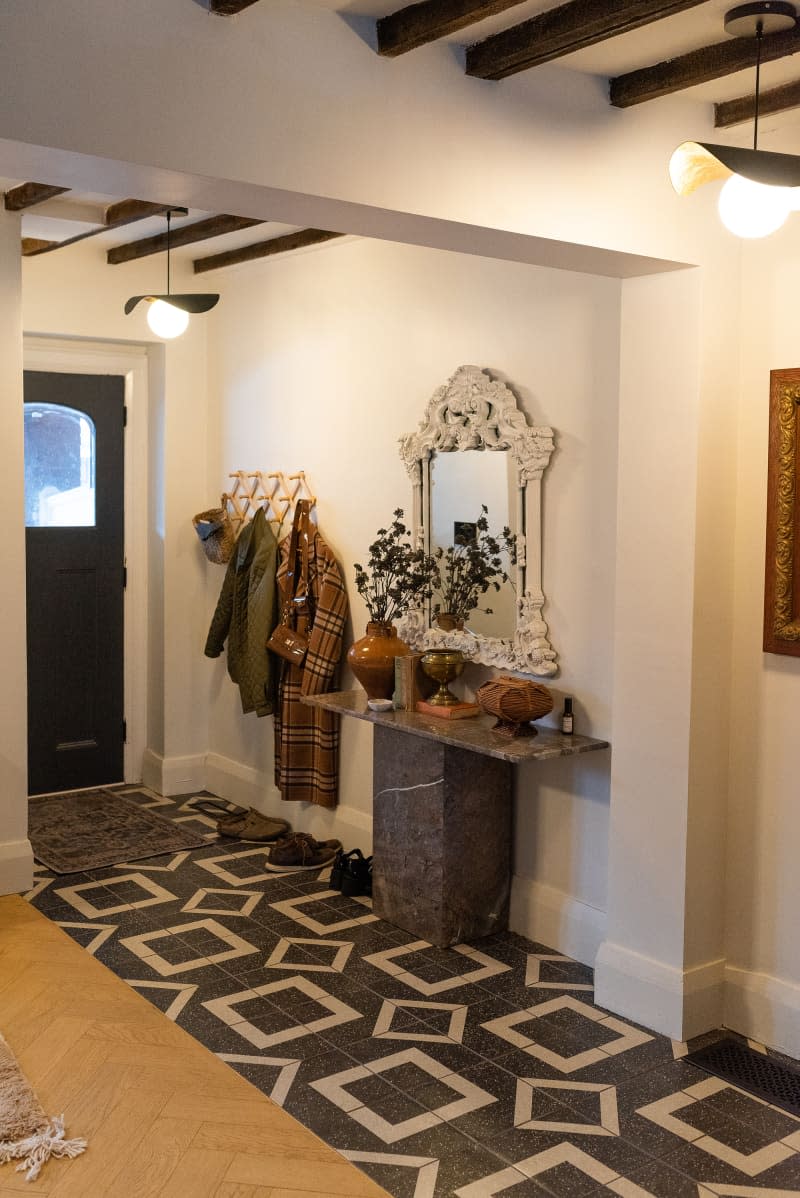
x: 566, y: 717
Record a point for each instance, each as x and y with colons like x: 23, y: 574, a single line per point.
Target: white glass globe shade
x: 751, y: 209
x: 166, y: 320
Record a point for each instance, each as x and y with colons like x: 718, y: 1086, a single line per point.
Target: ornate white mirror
x: 475, y: 449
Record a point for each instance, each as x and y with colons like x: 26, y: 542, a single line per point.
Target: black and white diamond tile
x: 288, y: 955
x: 475, y: 1071
x: 169, y: 950
x: 462, y: 1096
x: 269, y: 1024
x: 223, y: 902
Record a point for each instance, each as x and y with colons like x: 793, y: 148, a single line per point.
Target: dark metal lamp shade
x: 187, y: 303
x: 695, y: 163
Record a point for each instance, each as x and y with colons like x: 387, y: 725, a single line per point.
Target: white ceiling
x: 661, y: 40
x: 79, y: 212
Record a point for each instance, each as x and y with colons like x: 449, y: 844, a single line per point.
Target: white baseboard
x: 173, y: 775
x: 557, y: 919
x: 763, y: 1008
x: 679, y: 1003
x: 16, y: 866
x: 253, y: 788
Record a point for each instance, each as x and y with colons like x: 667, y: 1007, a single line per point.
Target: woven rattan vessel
x: 215, y: 530
x: 514, y: 701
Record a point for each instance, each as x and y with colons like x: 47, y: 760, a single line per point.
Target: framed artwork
x: 782, y: 575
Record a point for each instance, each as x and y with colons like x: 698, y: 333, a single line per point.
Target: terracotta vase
x: 449, y: 622
x: 372, y: 659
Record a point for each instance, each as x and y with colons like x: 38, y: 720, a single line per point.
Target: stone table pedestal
x: 441, y: 838
x: 442, y: 816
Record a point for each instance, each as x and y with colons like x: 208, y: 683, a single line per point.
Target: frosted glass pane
x: 59, y: 467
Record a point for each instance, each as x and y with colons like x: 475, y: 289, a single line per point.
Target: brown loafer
x: 256, y: 826
x: 301, y: 851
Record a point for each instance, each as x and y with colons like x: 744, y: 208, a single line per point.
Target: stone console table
x: 442, y: 816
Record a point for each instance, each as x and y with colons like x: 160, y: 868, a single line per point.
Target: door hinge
x: 124, y: 577
x: 124, y: 415
x: 124, y: 732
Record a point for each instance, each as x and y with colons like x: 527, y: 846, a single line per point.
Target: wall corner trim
x: 249, y: 787
x: 173, y: 775
x: 16, y: 866
x: 679, y: 1003
x: 764, y: 1008
x: 555, y: 918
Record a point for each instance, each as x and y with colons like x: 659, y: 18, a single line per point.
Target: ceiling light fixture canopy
x: 757, y: 196
x: 168, y: 315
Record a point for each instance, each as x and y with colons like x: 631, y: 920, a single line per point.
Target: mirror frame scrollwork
x: 472, y: 411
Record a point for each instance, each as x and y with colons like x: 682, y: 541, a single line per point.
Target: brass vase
x: 449, y: 622
x: 443, y: 665
x: 372, y: 659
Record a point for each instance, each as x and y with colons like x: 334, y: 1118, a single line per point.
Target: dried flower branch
x: 397, y: 574
x: 465, y: 571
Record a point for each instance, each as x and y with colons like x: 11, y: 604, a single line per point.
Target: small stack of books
x: 411, y: 683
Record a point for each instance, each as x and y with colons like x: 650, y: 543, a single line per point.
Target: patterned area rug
x: 26, y: 1133
x: 72, y: 833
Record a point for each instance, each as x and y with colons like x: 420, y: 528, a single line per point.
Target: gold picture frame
x: 782, y: 572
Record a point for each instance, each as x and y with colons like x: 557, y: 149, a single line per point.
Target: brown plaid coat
x: 307, y: 738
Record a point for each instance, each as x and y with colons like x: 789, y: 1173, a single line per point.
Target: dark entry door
x: 74, y: 517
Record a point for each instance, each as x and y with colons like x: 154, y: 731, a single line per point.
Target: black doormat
x: 752, y: 1071
x: 72, y: 833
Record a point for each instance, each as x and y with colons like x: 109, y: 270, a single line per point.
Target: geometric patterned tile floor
x: 474, y: 1071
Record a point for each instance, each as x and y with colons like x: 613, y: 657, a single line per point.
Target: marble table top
x: 474, y: 733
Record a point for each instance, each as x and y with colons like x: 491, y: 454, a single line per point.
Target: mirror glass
x: 461, y: 483
x: 474, y: 448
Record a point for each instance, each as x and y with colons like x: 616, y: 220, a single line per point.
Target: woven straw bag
x: 215, y: 531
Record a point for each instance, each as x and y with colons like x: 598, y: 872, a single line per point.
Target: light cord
x: 169, y: 218
x: 759, y: 38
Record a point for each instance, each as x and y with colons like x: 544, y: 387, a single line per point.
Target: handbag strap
x: 299, y: 538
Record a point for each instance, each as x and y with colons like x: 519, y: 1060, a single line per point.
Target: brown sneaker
x: 301, y: 851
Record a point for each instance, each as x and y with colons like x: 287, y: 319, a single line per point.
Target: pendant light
x: 758, y: 193
x: 168, y: 315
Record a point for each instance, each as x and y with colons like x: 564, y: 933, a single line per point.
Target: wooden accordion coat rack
x: 277, y: 493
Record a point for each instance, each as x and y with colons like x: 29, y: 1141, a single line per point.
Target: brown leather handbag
x: 286, y: 641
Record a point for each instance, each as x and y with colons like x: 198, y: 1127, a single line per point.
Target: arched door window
x: 59, y: 467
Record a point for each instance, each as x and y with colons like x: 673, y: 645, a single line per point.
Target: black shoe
x: 357, y: 875
x: 339, y: 867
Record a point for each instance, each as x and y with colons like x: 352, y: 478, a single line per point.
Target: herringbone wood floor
x: 162, y: 1114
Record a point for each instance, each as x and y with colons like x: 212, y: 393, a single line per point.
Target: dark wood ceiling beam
x: 421, y: 23
x: 743, y: 108
x: 124, y: 212
x: 228, y: 8
x: 699, y: 66
x: 28, y: 194
x: 264, y: 249
x: 201, y: 230
x: 563, y: 30
x: 33, y: 245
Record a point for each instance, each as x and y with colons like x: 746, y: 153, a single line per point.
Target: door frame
x: 132, y: 362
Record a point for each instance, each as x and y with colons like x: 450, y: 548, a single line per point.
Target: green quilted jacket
x: 247, y: 611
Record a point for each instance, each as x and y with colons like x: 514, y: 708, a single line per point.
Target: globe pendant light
x: 168, y: 315
x: 758, y: 193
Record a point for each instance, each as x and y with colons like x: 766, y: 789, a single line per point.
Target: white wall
x: 322, y: 361
x: 763, y: 946
x: 16, y: 862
